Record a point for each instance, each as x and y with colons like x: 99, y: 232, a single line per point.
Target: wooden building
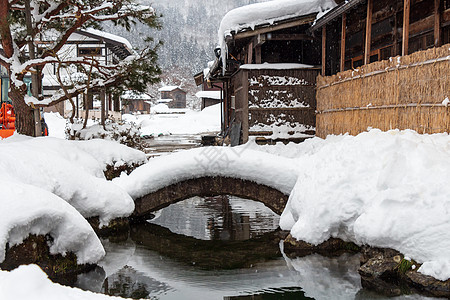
x: 173, y: 96
x: 135, y: 102
x: 268, y: 76
x: 383, y: 66
x: 109, y: 49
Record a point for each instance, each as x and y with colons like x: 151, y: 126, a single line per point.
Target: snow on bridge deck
x: 241, y: 163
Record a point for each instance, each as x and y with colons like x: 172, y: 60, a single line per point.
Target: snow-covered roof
x: 282, y: 66
x: 109, y: 36
x: 252, y: 15
x: 168, y: 88
x: 134, y: 95
x: 209, y: 94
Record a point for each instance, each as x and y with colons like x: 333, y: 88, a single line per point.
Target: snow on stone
x: 209, y: 94
x: 260, y: 167
x: 30, y: 282
x: 72, y: 170
x: 30, y: 210
x: 384, y: 189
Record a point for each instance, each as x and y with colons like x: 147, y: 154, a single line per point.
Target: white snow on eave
x: 269, y: 12
x: 110, y: 36
x: 209, y: 94
x: 168, y: 88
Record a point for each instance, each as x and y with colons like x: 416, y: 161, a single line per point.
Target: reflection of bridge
x: 211, y: 171
x: 204, y: 253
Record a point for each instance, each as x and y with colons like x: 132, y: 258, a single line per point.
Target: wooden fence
x: 267, y: 98
x: 406, y: 92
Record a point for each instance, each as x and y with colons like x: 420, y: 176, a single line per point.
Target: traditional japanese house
x: 267, y: 65
x: 110, y: 49
x: 173, y: 96
x: 384, y: 66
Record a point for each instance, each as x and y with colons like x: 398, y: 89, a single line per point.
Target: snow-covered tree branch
x: 52, y: 24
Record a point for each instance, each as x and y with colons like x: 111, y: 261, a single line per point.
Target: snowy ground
x: 191, y: 122
x: 385, y: 189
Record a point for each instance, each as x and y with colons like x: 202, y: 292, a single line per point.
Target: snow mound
x: 30, y: 282
x: 29, y: 210
x: 263, y: 168
x: 68, y: 170
x: 384, y: 189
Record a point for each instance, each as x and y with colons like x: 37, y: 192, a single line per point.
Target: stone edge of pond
x: 35, y: 250
x: 383, y: 270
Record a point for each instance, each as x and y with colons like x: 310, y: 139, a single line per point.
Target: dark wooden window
x: 90, y: 51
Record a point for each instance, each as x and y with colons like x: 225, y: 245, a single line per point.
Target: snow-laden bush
x: 128, y: 134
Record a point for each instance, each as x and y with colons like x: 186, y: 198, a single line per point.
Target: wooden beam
x: 324, y: 49
x: 406, y: 11
x: 343, y: 31
x: 368, y: 32
x: 437, y: 23
x: 304, y: 20
x: 290, y: 37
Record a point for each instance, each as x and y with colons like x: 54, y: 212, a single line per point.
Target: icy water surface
x: 219, y: 248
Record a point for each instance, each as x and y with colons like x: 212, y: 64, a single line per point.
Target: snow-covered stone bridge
x: 210, y: 171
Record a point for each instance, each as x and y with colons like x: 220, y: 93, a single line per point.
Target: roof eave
x: 334, y: 13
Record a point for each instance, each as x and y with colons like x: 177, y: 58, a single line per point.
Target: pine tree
x: 54, y: 22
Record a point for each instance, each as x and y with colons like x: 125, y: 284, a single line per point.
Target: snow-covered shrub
x: 128, y: 134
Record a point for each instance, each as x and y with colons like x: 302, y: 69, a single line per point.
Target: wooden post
x: 437, y: 23
x: 405, y: 42
x: 343, y: 31
x: 324, y: 49
x: 368, y: 32
x: 102, y: 106
x: 250, y: 53
x: 258, y: 59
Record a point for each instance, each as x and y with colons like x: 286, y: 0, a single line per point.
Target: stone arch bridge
x: 210, y: 171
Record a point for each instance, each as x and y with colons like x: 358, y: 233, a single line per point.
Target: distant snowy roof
x: 133, y: 95
x: 109, y: 36
x: 209, y: 94
x: 168, y: 88
x: 282, y: 66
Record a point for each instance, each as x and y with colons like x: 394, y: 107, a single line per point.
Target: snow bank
x: 29, y: 210
x: 30, y: 282
x: 384, y: 189
x: 72, y: 170
x: 260, y: 167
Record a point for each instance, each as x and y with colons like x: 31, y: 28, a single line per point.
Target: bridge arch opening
x: 208, y: 187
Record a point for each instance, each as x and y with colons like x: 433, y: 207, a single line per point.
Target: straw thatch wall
x: 403, y: 92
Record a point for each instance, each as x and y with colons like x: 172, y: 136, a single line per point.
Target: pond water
x: 218, y: 248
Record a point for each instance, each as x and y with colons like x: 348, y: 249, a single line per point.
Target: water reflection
x: 156, y: 263
x: 218, y: 218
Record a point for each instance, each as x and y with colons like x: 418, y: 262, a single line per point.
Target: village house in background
x: 383, y: 76
x: 135, y: 102
x: 172, y: 96
x: 110, y: 49
x: 268, y: 72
